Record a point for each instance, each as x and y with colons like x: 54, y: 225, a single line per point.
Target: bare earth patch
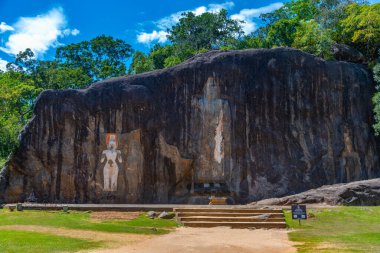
x: 183, y: 239
x: 211, y: 240
x: 114, y: 215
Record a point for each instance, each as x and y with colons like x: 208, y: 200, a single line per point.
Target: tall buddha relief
x: 211, y: 135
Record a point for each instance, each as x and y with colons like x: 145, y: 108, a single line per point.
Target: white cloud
x: 4, y: 27
x: 3, y: 64
x: 75, y: 32
x: 219, y: 7
x: 147, y: 38
x: 69, y: 31
x: 167, y: 22
x: 247, y: 15
x: 38, y: 33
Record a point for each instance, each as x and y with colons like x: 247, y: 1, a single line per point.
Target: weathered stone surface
x: 165, y: 215
x: 359, y: 193
x: 151, y: 214
x: 343, y: 52
x: 267, y: 123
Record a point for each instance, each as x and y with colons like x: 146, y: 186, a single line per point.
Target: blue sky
x: 43, y: 25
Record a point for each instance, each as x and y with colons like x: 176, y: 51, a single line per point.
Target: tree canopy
x: 206, y: 31
x: 100, y: 58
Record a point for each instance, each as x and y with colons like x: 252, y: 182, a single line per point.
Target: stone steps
x: 256, y: 225
x: 216, y: 214
x: 230, y: 217
x: 228, y: 210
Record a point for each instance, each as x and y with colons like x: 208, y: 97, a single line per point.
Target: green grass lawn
x: 82, y: 220
x: 12, y: 241
x: 341, y: 229
x: 30, y: 242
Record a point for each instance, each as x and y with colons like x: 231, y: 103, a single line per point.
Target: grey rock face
x: 360, y: 193
x: 151, y: 214
x: 165, y: 215
x: 266, y: 123
x: 343, y: 52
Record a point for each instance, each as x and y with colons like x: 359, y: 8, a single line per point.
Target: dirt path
x: 184, y: 240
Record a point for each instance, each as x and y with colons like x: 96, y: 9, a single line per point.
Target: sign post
x: 299, y: 213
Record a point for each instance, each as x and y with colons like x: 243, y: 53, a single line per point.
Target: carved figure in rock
x: 111, y: 169
x: 133, y: 163
x: 211, y: 113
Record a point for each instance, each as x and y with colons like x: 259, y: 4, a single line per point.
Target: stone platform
x: 124, y: 207
x: 234, y: 216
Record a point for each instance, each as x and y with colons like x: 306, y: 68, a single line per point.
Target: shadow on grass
x: 32, y: 242
x: 82, y: 220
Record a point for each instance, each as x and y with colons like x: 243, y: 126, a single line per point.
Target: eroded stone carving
x: 211, y: 112
x: 111, y: 156
x: 134, y: 163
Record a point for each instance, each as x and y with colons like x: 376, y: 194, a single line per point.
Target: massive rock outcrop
x: 265, y: 123
x: 358, y: 193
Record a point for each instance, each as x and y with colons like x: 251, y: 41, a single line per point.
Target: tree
x: 361, y: 28
x: 53, y: 75
x: 140, y: 63
x: 312, y: 38
x: 376, y: 73
x: 203, y: 32
x: 376, y: 97
x: 25, y: 62
x: 172, y: 61
x: 100, y: 58
x: 281, y: 24
x: 47, y: 74
x: 17, y: 97
x: 191, y: 35
x: 330, y: 12
x: 159, y: 54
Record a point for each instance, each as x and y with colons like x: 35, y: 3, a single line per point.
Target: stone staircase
x: 230, y: 217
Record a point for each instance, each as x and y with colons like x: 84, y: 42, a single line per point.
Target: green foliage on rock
x: 361, y: 28
x: 376, y: 73
x: 312, y: 38
x: 159, y: 54
x: 140, y: 63
x: 376, y: 97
